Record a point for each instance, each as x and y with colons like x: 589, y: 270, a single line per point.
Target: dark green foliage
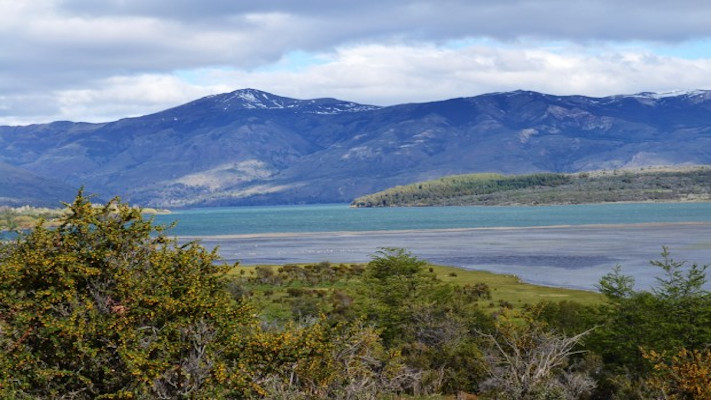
x: 433, y: 323
x: 312, y: 274
x: 567, y: 317
x: 674, y: 285
x: 395, y: 283
x: 615, y: 285
x: 444, y: 189
x: 292, y: 292
x: 547, y: 188
x: 674, y: 315
x: 474, y: 292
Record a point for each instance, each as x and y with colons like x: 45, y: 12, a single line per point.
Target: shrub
x: 105, y: 305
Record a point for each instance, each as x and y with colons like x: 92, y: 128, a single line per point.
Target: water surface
x: 339, y: 217
x: 569, y: 246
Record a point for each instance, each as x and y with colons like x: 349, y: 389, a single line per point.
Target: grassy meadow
x: 274, y: 292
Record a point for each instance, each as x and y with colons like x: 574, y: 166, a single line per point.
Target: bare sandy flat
x: 568, y: 256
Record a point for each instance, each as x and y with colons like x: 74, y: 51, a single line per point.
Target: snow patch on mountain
x: 524, y: 135
x: 255, y: 99
x: 252, y: 99
x: 672, y: 93
x: 360, y: 153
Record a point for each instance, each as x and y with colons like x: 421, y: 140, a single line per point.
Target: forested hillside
x: 652, y: 184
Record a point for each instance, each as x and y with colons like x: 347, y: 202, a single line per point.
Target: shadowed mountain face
x: 252, y: 147
x: 19, y: 187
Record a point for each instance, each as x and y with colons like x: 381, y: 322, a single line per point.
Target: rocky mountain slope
x: 252, y: 147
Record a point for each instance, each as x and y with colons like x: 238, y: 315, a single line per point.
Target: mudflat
x: 563, y: 256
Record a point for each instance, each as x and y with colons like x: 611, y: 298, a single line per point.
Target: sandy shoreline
x: 454, y: 230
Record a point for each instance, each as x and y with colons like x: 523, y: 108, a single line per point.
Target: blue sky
x: 87, y: 60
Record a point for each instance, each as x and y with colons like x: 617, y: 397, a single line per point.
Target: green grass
x: 273, y: 301
x: 511, y: 289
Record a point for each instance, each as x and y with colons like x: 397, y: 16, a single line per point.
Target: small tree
x: 674, y: 284
x: 396, y: 282
x: 527, y: 361
x: 320, y: 361
x: 431, y: 322
x: 673, y: 317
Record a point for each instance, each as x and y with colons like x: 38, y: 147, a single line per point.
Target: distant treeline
x: 656, y: 184
x: 27, y: 217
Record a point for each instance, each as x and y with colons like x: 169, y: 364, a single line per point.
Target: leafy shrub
x: 100, y: 307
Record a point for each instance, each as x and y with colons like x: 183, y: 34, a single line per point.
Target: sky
x: 98, y: 61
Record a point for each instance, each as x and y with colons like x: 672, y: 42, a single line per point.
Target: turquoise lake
x: 568, y: 246
x: 339, y: 217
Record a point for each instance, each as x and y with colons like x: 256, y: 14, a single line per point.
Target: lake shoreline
x: 570, y: 256
x: 548, y: 188
x: 433, y: 230
x: 650, y: 201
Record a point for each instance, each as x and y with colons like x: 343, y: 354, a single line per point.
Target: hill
x: 656, y: 184
x: 19, y: 187
x: 251, y: 147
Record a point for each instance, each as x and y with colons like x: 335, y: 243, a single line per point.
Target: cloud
x: 81, y: 59
x: 439, y: 19
x: 385, y: 75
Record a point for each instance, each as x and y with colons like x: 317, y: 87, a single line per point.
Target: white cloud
x: 106, y: 100
x: 390, y: 74
x: 383, y: 74
x: 89, y: 60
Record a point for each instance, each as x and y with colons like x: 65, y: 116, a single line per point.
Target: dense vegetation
x: 105, y: 305
x: 26, y: 217
x: 14, y: 218
x: 681, y: 184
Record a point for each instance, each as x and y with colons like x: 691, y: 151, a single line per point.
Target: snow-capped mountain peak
x: 672, y: 93
x: 256, y: 99
x: 253, y: 99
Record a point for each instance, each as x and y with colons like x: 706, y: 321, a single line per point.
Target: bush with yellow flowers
x: 107, y: 306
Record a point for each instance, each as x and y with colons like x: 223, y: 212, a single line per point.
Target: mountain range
x: 250, y: 147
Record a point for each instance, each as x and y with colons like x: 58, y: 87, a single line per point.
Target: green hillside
x: 652, y: 184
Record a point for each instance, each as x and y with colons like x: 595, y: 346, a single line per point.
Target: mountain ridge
x: 251, y: 147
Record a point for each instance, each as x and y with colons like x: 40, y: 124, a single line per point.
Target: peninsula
x: 692, y: 183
